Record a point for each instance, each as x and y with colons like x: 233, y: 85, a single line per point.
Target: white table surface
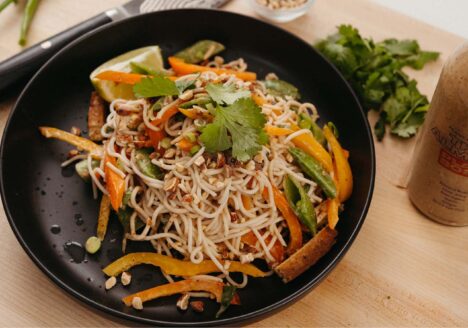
x: 449, y: 15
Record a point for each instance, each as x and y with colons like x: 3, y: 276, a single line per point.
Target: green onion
x: 194, y: 149
x: 165, y: 143
x: 93, y: 244
x: 191, y: 136
x: 199, y: 122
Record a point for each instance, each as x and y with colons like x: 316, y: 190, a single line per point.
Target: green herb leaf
x: 140, y: 68
x: 155, y: 87
x: 374, y: 70
x: 187, y: 83
x: 200, y: 51
x: 226, y: 94
x: 226, y: 298
x: 239, y: 126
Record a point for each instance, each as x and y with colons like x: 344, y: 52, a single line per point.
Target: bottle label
x: 454, y: 152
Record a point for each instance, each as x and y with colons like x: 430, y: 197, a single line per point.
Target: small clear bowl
x: 281, y: 15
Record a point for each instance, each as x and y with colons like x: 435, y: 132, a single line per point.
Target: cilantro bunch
x: 374, y: 70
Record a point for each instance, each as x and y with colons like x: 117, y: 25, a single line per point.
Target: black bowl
x: 37, y: 193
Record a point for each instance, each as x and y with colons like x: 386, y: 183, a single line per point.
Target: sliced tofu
x: 96, y: 117
x: 307, y: 255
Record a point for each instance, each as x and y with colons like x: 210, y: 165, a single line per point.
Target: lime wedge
x: 147, y: 57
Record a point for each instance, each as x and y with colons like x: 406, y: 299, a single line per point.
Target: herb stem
x: 5, y: 4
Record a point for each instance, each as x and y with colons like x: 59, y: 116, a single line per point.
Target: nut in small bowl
x: 281, y: 11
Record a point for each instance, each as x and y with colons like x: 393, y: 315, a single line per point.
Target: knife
x: 27, y: 62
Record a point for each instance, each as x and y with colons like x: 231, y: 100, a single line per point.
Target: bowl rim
x: 216, y: 322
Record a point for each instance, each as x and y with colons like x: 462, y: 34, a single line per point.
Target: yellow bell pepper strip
x: 343, y: 172
x: 125, y: 78
x: 103, y: 219
x: 79, y: 142
x: 275, y: 131
x: 179, y: 287
x: 115, y: 184
x: 176, y: 267
x: 182, y: 68
x: 333, y: 206
x: 295, y: 231
x: 306, y: 142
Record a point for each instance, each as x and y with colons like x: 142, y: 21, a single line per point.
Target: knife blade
x: 18, y: 68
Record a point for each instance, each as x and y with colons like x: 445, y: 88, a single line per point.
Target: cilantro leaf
x: 374, y: 70
x: 238, y: 126
x: 187, y: 83
x: 215, y: 136
x: 155, y: 87
x: 226, y: 94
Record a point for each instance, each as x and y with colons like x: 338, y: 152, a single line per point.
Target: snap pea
x: 282, y: 88
x: 143, y: 161
x: 197, y: 101
x: 124, y: 215
x: 300, y: 203
x: 315, y: 171
x: 82, y: 168
x: 200, y: 51
x: 306, y: 122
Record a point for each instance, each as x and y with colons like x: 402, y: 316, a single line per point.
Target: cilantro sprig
x: 155, y: 86
x: 238, y: 126
x: 374, y: 70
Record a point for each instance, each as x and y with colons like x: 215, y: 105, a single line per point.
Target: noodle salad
x: 227, y: 176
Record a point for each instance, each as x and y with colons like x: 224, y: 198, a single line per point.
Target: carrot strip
x: 103, y: 219
x: 295, y: 232
x: 344, y: 176
x: 179, y: 287
x: 185, y: 144
x: 277, y: 251
x: 72, y: 139
x: 176, y: 267
x: 126, y: 78
x: 166, y: 116
x: 182, y: 68
x: 115, y: 184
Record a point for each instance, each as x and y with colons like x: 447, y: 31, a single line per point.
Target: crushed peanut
x: 137, y: 303
x: 110, y: 282
x: 125, y: 278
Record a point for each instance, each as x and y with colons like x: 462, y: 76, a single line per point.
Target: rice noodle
x: 203, y: 215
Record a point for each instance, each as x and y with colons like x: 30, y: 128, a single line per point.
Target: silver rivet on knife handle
x: 117, y: 13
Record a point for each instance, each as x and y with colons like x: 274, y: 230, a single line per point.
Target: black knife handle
x: 27, y: 62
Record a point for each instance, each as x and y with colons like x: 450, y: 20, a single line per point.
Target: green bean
x: 300, y: 203
x: 143, y: 161
x: 197, y: 101
x: 315, y: 171
x: 29, y: 11
x: 282, y: 88
x: 200, y: 51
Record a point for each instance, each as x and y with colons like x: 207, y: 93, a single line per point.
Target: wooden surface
x: 403, y: 270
